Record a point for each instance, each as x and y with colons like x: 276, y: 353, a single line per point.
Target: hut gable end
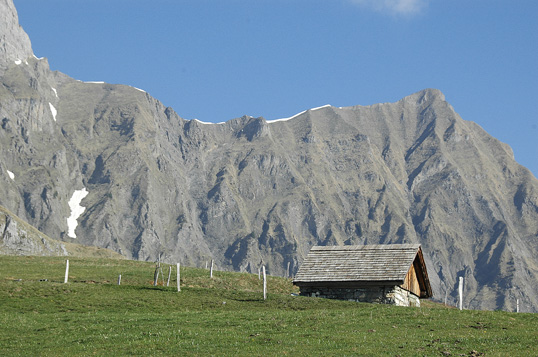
x: 411, y: 281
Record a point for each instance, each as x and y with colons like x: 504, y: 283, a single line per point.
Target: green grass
x: 226, y: 315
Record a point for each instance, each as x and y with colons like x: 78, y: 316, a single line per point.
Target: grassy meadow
x: 225, y: 315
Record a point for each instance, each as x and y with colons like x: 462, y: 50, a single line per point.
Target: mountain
x: 110, y: 166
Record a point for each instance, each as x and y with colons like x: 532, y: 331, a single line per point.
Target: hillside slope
x: 19, y: 238
x: 249, y: 191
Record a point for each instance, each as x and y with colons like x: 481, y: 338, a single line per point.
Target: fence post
x: 211, y: 270
x: 288, y: 271
x: 178, y: 278
x: 517, y: 305
x: 66, y: 271
x: 169, y: 273
x: 119, y: 279
x: 156, y: 275
x: 460, y: 290
x: 264, y: 283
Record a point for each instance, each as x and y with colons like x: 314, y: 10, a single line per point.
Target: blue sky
x: 216, y: 60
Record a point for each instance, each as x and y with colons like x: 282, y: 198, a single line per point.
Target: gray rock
x: 14, y: 42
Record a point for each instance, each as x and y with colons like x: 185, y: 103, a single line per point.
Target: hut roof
x: 362, y: 263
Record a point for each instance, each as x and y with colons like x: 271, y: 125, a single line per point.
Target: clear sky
x: 216, y: 60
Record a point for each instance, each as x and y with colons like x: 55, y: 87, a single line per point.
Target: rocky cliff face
x: 251, y: 191
x: 14, y: 42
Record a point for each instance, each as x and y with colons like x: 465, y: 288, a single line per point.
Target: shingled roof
x: 364, y: 263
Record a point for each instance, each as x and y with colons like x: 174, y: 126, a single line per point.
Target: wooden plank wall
x: 411, y: 282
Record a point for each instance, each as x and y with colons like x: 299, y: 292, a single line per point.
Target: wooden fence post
x: 66, y: 271
x: 517, y: 305
x: 178, y: 278
x: 264, y: 283
x: 211, y: 270
x: 169, y: 273
x: 119, y: 279
x: 288, y: 271
x: 460, y: 291
x: 156, y: 275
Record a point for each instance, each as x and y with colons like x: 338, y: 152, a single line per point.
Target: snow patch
x: 11, y: 175
x: 206, y: 123
x: 18, y: 62
x: 286, y: 119
x: 53, y: 111
x: 143, y: 91
x: 323, y: 106
x: 296, y: 115
x: 55, y: 92
x: 76, y: 211
x: 92, y: 82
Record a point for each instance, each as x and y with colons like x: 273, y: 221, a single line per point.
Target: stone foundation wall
x: 394, y: 295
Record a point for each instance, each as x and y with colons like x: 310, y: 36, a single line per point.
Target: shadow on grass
x: 248, y: 300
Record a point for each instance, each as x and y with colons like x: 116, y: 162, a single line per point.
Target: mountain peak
x: 426, y: 95
x: 15, y: 45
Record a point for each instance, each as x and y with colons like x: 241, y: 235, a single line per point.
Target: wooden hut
x: 385, y: 273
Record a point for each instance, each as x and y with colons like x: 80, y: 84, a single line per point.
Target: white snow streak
x: 18, y: 62
x: 11, y: 175
x: 323, y: 106
x: 275, y: 120
x: 206, y: 123
x: 296, y: 115
x: 140, y: 90
x: 286, y: 119
x: 95, y: 82
x: 55, y: 92
x: 53, y: 111
x: 76, y: 210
